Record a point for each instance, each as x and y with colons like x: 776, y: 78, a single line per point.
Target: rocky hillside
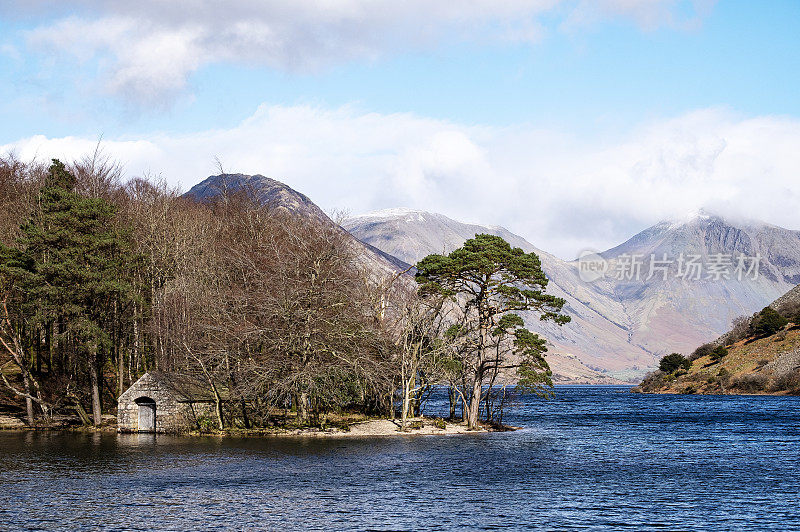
x: 757, y: 366
x: 787, y: 301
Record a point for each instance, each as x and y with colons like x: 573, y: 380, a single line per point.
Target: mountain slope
x: 670, y: 313
x: 752, y: 365
x: 597, y: 335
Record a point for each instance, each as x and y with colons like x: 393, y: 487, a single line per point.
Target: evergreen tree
x: 673, y: 362
x: 768, y: 322
x: 76, y: 280
x: 718, y: 353
x: 491, y: 281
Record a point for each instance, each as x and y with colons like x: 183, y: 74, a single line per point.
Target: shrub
x: 740, y: 329
x: 754, y: 382
x: 673, y: 362
x: 439, y: 423
x: 718, y: 353
x: 652, y: 381
x: 700, y: 352
x: 788, y: 382
x: 205, y: 424
x: 791, y: 311
x: 767, y: 322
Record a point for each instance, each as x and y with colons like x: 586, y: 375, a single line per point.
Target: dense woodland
x: 279, y: 316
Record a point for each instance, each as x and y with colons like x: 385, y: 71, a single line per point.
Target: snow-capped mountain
x: 697, y: 274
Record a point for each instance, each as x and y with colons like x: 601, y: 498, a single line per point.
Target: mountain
x: 410, y: 235
x: 621, y: 327
x: 593, y: 347
x: 278, y: 195
x: 264, y: 189
x: 670, y: 313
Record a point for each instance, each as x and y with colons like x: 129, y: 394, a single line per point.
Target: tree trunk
x: 245, y: 419
x: 390, y: 404
x: 477, y: 384
x: 81, y: 412
x: 453, y: 401
x: 474, y: 404
x: 28, y: 400
x: 218, y: 404
x: 94, y: 375
x: 406, y: 406
x: 121, y: 373
x: 302, y: 408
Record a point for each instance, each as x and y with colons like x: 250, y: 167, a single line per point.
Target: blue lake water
x: 594, y: 458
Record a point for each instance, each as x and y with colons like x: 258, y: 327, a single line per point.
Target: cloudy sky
x: 574, y: 123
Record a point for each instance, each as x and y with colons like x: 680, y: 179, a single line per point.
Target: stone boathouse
x: 163, y: 402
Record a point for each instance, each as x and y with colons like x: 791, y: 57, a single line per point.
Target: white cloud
x: 147, y: 49
x: 648, y: 14
x: 561, y: 193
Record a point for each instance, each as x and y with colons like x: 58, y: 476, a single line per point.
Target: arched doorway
x: 147, y: 414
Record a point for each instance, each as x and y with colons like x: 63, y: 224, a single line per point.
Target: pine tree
x: 77, y: 276
x: 491, y: 280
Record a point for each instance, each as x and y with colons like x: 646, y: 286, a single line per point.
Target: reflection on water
x: 593, y: 458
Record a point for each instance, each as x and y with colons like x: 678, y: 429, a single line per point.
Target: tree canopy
x: 767, y: 322
x: 673, y: 362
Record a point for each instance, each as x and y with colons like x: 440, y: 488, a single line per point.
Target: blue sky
x: 655, y: 91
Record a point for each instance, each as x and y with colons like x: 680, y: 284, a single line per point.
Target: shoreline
x: 422, y: 426
x: 671, y: 391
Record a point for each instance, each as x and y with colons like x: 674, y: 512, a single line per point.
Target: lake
x: 593, y: 458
